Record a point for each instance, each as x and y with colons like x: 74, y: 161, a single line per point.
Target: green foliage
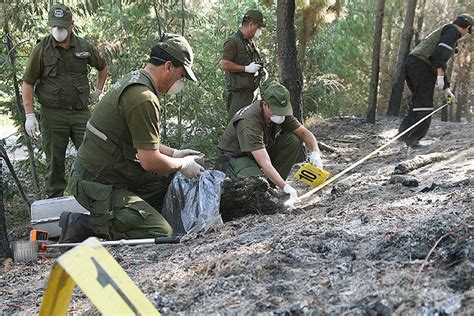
x: 338, y: 56
x: 337, y: 79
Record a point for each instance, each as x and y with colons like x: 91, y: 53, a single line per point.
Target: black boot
x: 76, y: 227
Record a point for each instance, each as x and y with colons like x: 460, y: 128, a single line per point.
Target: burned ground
x: 361, y: 250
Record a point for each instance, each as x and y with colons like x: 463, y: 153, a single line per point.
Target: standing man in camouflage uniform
x: 57, y: 70
x: 425, y: 70
x: 122, y: 170
x: 242, y: 64
x: 264, y: 138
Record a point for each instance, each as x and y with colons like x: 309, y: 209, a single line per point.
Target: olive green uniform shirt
x: 248, y: 132
x: 60, y: 74
x: 241, y: 51
x: 126, y: 119
x: 141, y: 110
x: 34, y: 66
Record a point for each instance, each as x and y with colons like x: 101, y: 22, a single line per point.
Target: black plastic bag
x: 192, y: 205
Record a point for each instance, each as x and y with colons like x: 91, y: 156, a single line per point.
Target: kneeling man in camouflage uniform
x: 122, y: 171
x: 265, y: 138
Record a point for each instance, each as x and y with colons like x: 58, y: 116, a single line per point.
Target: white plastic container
x: 45, y: 213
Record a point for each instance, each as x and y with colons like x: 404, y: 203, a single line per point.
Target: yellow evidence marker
x: 311, y: 175
x: 100, y: 277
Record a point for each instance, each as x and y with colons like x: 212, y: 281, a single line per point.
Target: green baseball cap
x: 59, y: 15
x: 178, y: 47
x: 256, y: 16
x: 278, y: 97
x: 465, y: 17
x: 466, y: 21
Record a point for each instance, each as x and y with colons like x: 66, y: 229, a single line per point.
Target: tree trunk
x: 290, y: 75
x: 453, y: 105
x: 374, y: 80
x: 386, y: 76
x: 446, y: 112
x: 463, y: 80
x: 460, y: 102
x: 250, y: 195
x: 420, y: 161
x: 5, y: 251
x: 4, y: 156
x: 19, y: 106
x: 419, y: 22
x: 405, y: 40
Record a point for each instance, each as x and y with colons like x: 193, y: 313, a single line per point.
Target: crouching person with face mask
x: 264, y: 138
x: 122, y: 171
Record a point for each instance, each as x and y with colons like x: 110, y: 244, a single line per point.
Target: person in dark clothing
x: 425, y: 70
x: 242, y: 64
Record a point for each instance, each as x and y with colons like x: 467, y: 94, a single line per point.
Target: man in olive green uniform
x: 122, y: 171
x: 57, y: 70
x: 425, y: 70
x: 265, y: 138
x: 242, y: 64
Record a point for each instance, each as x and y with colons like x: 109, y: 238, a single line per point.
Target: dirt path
x: 355, y: 252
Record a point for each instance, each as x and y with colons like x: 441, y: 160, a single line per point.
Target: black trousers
x: 421, y: 79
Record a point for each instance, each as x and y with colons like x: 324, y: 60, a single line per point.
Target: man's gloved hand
x: 439, y: 82
x: 291, y: 191
x: 315, y: 158
x: 190, y: 167
x: 31, y: 125
x: 252, y: 68
x: 94, y: 95
x: 449, y: 94
x: 180, y: 153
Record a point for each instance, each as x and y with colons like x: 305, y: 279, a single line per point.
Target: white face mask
x: 258, y: 33
x: 59, y: 33
x: 177, y: 86
x: 277, y: 119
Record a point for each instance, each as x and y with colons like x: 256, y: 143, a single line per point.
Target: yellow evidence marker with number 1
x: 311, y: 175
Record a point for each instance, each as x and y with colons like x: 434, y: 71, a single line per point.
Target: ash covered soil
x: 371, y: 248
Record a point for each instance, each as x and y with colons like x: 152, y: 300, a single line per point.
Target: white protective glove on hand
x: 190, y: 167
x: 315, y: 158
x: 181, y: 153
x: 439, y: 82
x: 252, y: 68
x: 31, y: 125
x: 291, y: 191
x: 449, y: 94
x: 94, y: 95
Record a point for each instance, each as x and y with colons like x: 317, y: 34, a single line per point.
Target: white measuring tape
x: 359, y: 162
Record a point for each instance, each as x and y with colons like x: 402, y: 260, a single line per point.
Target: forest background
x: 334, y: 41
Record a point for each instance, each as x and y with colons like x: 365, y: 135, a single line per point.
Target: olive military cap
x: 178, y: 47
x: 466, y: 19
x: 59, y: 15
x: 256, y: 16
x: 278, y: 98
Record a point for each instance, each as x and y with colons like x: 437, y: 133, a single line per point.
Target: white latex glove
x: 449, y: 94
x: 191, y: 168
x: 291, y: 191
x: 180, y: 153
x: 252, y: 68
x: 439, y: 82
x: 315, y: 158
x: 31, y: 125
x: 94, y: 95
